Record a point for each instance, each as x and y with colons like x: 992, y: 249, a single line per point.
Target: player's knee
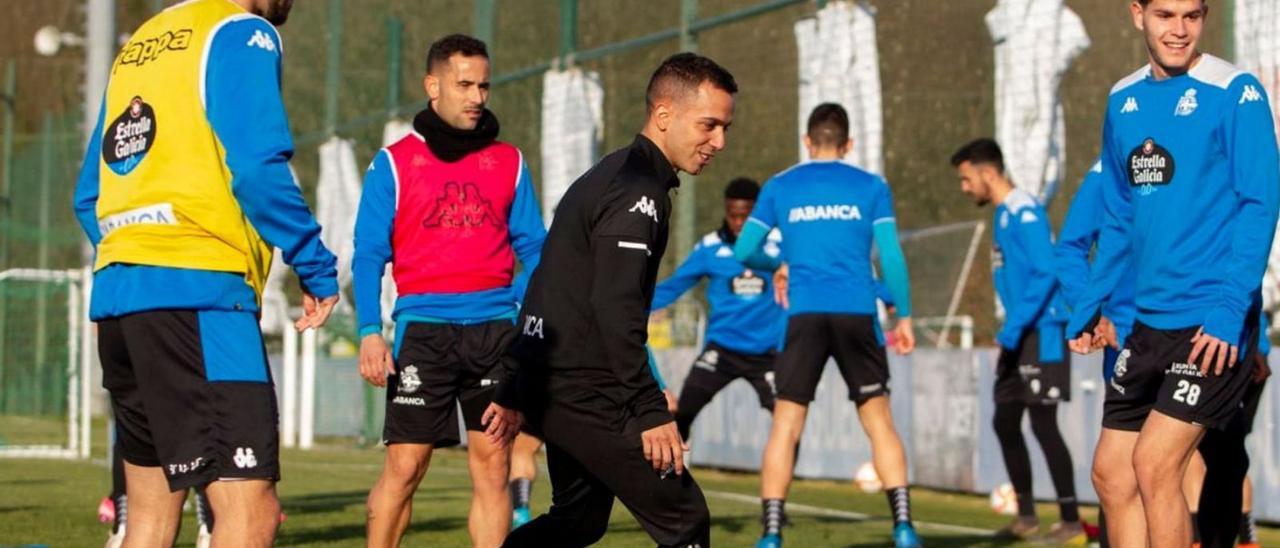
x: 1155, y: 468
x: 405, y: 469
x: 591, y: 529
x: 1007, y: 423
x: 1113, y: 485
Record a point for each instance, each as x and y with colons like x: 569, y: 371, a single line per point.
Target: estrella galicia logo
x: 129, y: 137
x: 747, y: 285
x: 462, y: 207
x: 1150, y: 165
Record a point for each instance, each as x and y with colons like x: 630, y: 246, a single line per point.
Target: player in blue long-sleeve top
x: 1190, y: 196
x: 744, y: 325
x: 1033, y: 371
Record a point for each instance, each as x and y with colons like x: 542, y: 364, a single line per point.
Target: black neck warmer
x: 450, y: 143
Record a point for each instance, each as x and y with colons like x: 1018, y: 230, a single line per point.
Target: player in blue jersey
x: 830, y: 213
x: 744, y: 325
x: 1190, y: 199
x: 1033, y: 372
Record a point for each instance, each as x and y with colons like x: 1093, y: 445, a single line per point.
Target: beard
x: 277, y: 11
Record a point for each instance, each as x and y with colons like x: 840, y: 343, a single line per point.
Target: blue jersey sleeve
x: 1114, y: 254
x: 86, y: 195
x: 1264, y: 341
x: 527, y: 230
x: 687, y: 275
x: 893, y: 264
x: 762, y: 220
x: 1079, y: 232
x: 1035, y: 243
x: 374, y: 221
x: 1255, y: 170
x: 653, y: 369
x: 883, y: 293
x: 247, y: 113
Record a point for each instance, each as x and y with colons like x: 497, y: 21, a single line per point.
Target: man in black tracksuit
x: 583, y: 380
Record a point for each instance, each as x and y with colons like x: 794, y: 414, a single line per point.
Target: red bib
x: 450, y: 233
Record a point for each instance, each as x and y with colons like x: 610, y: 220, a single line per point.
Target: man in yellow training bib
x: 184, y: 191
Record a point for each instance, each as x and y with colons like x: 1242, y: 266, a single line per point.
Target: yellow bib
x: 164, y: 195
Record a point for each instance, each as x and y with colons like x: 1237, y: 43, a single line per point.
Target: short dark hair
x: 1144, y: 3
x: 828, y: 125
x: 742, y: 188
x: 980, y: 151
x: 461, y: 44
x: 683, y: 73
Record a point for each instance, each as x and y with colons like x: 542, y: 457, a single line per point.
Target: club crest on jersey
x: 409, y: 381
x: 1187, y: 104
x: 645, y: 206
x: 129, y: 137
x: 1150, y: 165
x: 747, y: 285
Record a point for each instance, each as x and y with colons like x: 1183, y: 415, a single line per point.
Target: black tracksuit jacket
x: 584, y: 321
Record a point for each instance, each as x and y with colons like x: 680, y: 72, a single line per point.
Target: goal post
x: 45, y: 363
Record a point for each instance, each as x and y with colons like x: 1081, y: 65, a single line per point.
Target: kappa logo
x: 645, y: 206
x: 1187, y: 104
x: 532, y: 327
x: 244, y: 458
x: 261, y: 40
x: 1251, y: 94
x: 1130, y: 105
x: 143, y: 51
x: 409, y: 381
x: 462, y: 207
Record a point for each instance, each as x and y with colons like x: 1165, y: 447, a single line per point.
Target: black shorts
x: 1152, y: 374
x: 718, y: 366
x: 192, y: 394
x: 438, y: 365
x: 852, y: 339
x: 1022, y: 377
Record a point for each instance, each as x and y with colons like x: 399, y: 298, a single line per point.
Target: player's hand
x: 904, y: 338
x: 780, y: 277
x: 1210, y: 352
x: 1084, y: 344
x: 375, y: 360
x: 664, y: 449
x: 315, y: 311
x: 672, y: 402
x: 1105, y: 334
x: 1261, y: 369
x: 500, y: 424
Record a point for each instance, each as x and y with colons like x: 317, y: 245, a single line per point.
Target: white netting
x: 572, y: 123
x: 839, y: 63
x: 1035, y: 43
x: 337, y: 199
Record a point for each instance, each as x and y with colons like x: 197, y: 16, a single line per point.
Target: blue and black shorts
x: 192, y: 394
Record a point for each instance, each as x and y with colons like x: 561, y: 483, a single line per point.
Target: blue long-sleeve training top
x: 1071, y: 254
x: 1191, y: 190
x: 246, y: 111
x: 830, y: 213
x: 1022, y: 268
x: 373, y: 251
x: 743, y: 317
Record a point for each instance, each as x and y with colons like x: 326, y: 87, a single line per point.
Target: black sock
x: 122, y: 512
x: 1248, y: 530
x: 899, y: 504
x: 773, y: 515
x: 521, y: 489
x: 1195, y: 527
x: 1044, y: 424
x: 1026, y: 505
x: 1008, y: 427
